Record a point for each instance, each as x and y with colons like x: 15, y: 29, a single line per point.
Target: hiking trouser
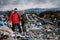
x: 19, y: 28
x: 23, y: 27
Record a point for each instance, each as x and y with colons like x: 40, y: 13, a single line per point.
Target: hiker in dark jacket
x: 24, y: 19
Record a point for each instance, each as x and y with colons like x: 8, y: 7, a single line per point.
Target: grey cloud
x: 3, y: 2
x: 35, y: 3
x: 53, y: 2
x: 10, y: 2
x: 15, y: 2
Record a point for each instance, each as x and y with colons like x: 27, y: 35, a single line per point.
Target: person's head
x: 15, y: 10
x: 22, y: 11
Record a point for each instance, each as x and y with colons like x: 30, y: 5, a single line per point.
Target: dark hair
x: 15, y: 9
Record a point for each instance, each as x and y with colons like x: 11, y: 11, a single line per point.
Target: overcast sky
x: 26, y: 4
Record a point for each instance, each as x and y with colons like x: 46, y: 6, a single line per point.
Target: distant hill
x: 2, y: 12
x: 39, y: 10
x: 35, y: 10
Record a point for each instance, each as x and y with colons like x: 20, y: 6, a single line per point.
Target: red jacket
x: 15, y: 18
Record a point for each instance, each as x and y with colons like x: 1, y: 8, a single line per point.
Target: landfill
x: 37, y: 29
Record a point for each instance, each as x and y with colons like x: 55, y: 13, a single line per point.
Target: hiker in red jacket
x: 15, y: 20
